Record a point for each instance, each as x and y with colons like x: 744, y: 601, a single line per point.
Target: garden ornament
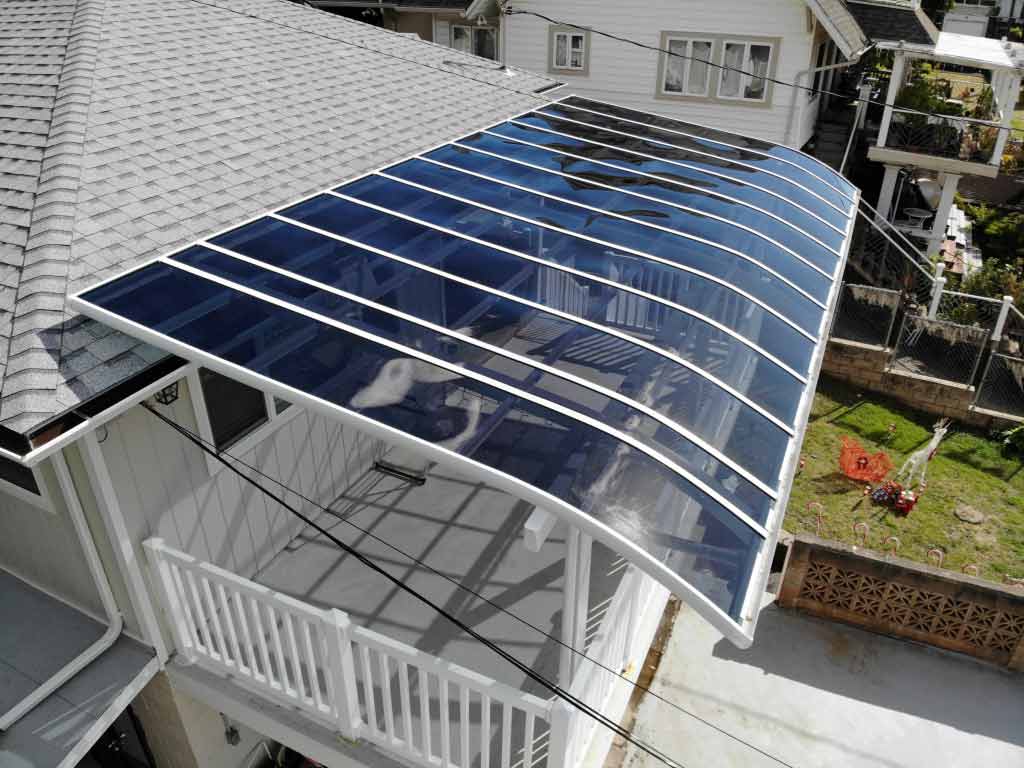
x: 917, y: 463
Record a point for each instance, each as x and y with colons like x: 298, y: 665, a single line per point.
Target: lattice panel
x: 911, y: 608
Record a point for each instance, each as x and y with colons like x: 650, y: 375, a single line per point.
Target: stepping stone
x: 969, y: 514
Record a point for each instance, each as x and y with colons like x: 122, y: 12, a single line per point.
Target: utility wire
x: 552, y: 687
x: 765, y: 77
x: 459, y: 585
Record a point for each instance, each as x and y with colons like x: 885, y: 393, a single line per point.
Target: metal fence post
x: 1004, y: 311
x: 937, y: 288
x: 342, y: 671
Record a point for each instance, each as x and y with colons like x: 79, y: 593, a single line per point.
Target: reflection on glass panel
x: 730, y: 166
x: 696, y: 175
x: 518, y: 329
x: 639, y: 499
x: 733, y: 227
x: 602, y: 358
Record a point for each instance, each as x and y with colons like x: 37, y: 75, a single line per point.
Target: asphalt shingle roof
x: 131, y: 127
x: 892, y: 22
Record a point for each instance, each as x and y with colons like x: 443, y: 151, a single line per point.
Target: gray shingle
x: 140, y: 125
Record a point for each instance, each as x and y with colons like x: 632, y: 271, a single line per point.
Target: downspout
x: 114, y: 621
x: 808, y: 73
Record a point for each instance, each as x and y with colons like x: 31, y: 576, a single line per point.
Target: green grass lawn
x: 969, y: 468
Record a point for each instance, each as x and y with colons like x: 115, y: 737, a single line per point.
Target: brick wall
x: 865, y: 365
x: 894, y: 596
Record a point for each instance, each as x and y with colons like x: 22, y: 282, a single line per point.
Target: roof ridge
x: 46, y: 259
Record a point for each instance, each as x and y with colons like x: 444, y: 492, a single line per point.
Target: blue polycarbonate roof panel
x: 701, y: 178
x: 618, y: 317
x: 493, y: 156
x: 584, y: 467
x: 703, y: 159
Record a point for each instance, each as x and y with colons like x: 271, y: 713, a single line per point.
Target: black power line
x: 765, y: 77
x: 552, y: 687
x: 459, y: 585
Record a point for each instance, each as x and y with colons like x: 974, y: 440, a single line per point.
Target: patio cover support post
x: 937, y: 288
x: 899, y: 66
x: 938, y: 236
x: 1000, y: 326
x: 885, y: 197
x: 575, y: 596
x: 558, y: 741
x: 120, y: 540
x: 1006, y: 101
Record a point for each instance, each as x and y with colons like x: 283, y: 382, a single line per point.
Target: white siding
x: 165, y: 488
x: 627, y: 75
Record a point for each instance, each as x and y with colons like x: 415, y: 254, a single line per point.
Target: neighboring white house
x: 788, y: 40
x: 534, y: 367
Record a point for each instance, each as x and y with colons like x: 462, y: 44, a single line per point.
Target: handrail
x: 341, y: 675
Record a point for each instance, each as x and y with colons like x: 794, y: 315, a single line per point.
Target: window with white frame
x: 236, y: 411
x: 745, y: 70
x: 687, y: 66
x: 479, y: 41
x: 570, y: 51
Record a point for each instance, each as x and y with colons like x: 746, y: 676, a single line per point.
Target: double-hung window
x: 745, y: 71
x: 480, y: 41
x: 687, y: 67
x: 570, y: 51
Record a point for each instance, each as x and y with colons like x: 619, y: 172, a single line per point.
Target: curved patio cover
x: 616, y: 316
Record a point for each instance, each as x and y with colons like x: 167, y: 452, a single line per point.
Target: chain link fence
x: 1002, y: 386
x: 939, y: 349
x: 866, y: 314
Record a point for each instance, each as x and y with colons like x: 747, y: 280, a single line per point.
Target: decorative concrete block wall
x: 897, y: 597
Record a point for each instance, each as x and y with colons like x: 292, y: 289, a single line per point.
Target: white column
x: 884, y: 206
x: 899, y: 66
x: 949, y: 184
x: 1008, y: 100
x: 575, y: 603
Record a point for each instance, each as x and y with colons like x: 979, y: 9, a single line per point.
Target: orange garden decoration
x: 858, y: 464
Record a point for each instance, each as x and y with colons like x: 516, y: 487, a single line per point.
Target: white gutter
x: 115, y: 622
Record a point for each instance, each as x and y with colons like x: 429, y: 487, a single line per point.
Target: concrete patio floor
x: 816, y: 693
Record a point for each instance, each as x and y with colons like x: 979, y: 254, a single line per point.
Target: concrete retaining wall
x: 894, y: 596
x: 866, y: 366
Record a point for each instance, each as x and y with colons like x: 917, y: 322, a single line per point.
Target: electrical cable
x: 765, y: 77
x: 550, y: 686
x: 459, y: 585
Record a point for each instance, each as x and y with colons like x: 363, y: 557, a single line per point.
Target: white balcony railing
x: 357, y: 682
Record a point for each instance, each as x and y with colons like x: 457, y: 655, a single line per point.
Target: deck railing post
x: 937, y: 287
x: 1000, y: 326
x: 341, y: 671
x: 559, y: 741
x: 174, y: 612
